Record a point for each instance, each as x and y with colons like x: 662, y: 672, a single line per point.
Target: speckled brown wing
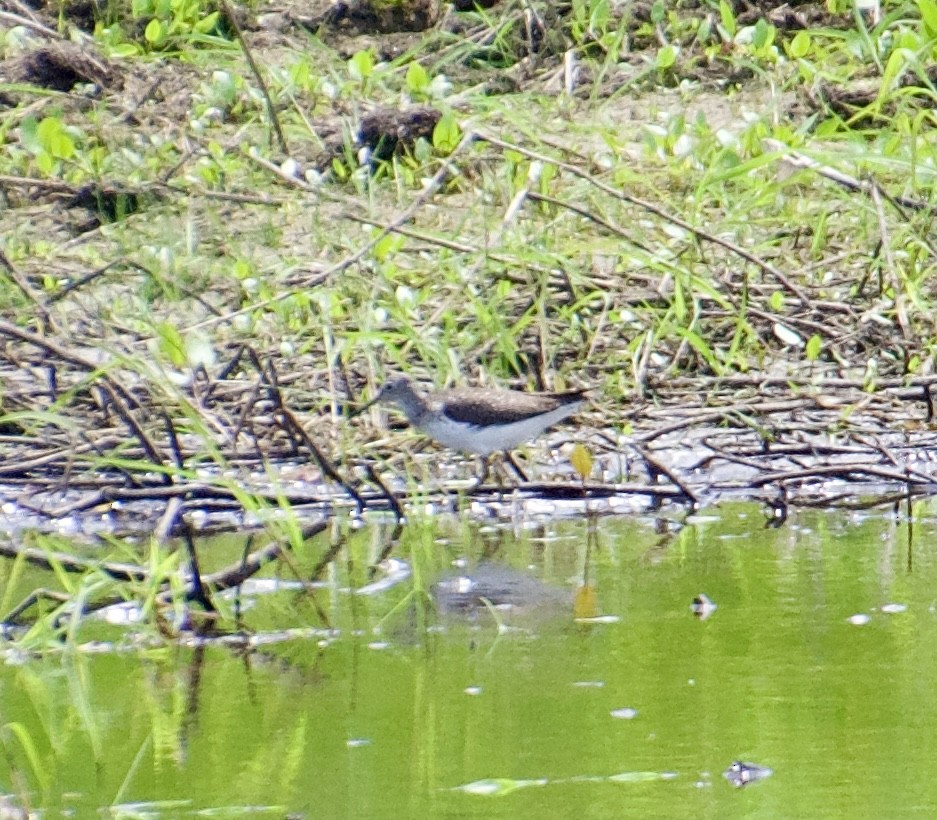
x: 471, y: 406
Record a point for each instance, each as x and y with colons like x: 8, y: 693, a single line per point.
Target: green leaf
x: 800, y: 45
x: 601, y: 14
x: 666, y: 57
x: 387, y: 246
x: 764, y: 34
x: 126, y: 50
x: 727, y: 17
x: 699, y: 345
x: 29, y: 137
x: 45, y: 163
x: 207, y: 24
x: 55, y: 139
x: 446, y: 134
x: 893, y: 69
x: 361, y: 65
x: 814, y: 346
x: 155, y: 32
x: 171, y: 343
x: 417, y: 78
x: 928, y: 9
x: 777, y: 301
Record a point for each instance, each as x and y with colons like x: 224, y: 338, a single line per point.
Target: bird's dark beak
x: 365, y: 406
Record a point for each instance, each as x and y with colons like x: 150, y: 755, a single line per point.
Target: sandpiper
x: 477, y: 420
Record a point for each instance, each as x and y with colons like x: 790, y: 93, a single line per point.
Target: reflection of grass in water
x: 417, y: 608
x: 38, y: 769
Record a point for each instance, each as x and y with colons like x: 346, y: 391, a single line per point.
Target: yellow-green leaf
x: 581, y: 459
x: 446, y: 134
x: 417, y: 78
x: 171, y: 343
x: 727, y: 18
x: 666, y: 57
x: 155, y: 32
x: 585, y: 604
x: 928, y: 9
x: 814, y: 346
x: 800, y: 45
x: 55, y: 139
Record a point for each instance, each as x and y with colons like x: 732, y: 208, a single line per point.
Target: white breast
x: 472, y: 438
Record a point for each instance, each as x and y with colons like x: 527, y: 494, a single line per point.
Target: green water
x: 403, y: 723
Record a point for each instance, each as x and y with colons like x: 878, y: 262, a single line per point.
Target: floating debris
x: 641, y: 777
x: 498, y: 786
x: 123, y: 614
x: 741, y: 773
x: 589, y: 684
x: 697, y: 519
x: 357, y: 742
x: 472, y: 690
x: 894, y: 609
x: 395, y: 572
x: 859, y: 619
x: 626, y: 713
x: 702, y: 606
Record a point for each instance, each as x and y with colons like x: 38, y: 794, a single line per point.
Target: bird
x: 479, y: 420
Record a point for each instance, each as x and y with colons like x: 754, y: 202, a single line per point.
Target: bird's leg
x: 520, y: 473
x: 483, y: 473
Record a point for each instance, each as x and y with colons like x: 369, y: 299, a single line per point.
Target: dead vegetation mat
x: 88, y: 428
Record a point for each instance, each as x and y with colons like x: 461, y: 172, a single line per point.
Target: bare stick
x: 656, y: 467
x: 578, y: 209
x: 167, y: 521
x: 900, y: 311
x: 16, y: 20
x: 31, y: 600
x: 271, y: 111
x: 391, y: 500
x: 292, y: 422
x: 238, y: 573
x: 429, y: 189
x: 199, y: 591
x: 799, y: 160
x: 658, y: 211
x: 47, y: 559
x: 118, y: 396
x: 28, y: 290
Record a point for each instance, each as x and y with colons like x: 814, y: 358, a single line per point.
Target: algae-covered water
x: 582, y: 685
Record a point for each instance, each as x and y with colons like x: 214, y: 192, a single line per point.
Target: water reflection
x: 502, y: 587
x: 406, y: 699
